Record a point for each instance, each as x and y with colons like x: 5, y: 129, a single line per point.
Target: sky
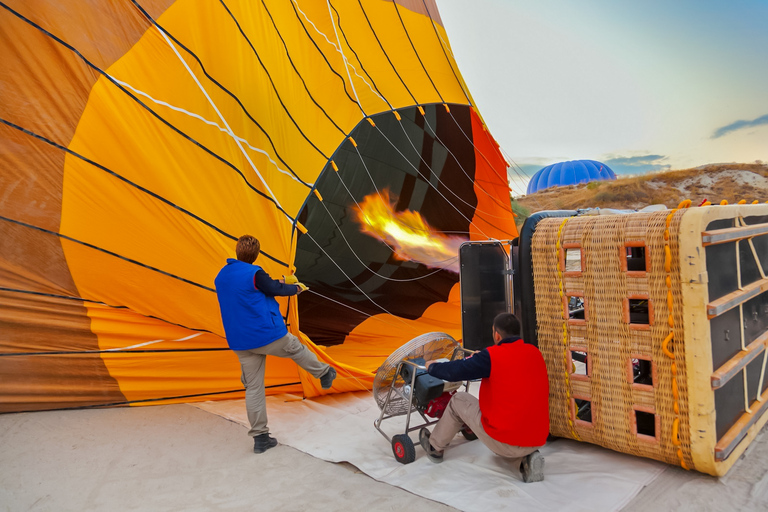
x: 641, y: 86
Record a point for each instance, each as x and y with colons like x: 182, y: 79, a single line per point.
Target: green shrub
x: 520, y: 211
x: 592, y: 185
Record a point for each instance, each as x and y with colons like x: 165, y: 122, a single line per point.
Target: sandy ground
x: 178, y: 457
x: 173, y: 457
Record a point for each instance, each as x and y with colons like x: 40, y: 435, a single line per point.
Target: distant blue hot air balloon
x: 569, y: 173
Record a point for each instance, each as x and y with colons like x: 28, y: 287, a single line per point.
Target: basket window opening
x: 580, y: 366
x: 583, y: 410
x: 573, y: 259
x: 575, y: 307
x: 636, y: 259
x: 639, y: 312
x: 646, y: 423
x: 642, y: 372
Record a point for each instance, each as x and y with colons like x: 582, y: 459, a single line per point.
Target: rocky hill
x: 714, y: 182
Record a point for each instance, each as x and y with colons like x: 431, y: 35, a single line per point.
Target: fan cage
x: 433, y: 345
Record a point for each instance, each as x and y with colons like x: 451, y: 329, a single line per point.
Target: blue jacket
x: 251, y: 315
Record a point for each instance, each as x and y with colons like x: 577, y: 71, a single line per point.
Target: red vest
x: 514, y: 400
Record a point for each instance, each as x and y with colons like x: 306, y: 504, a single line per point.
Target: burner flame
x: 408, y: 234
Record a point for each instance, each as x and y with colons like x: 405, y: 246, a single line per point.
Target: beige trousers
x: 252, y: 363
x: 465, y: 409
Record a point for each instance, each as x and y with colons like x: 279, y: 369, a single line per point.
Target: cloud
x: 639, y: 164
x: 527, y: 170
x: 739, y: 125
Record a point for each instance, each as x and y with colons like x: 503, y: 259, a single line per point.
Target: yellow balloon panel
x: 213, y: 120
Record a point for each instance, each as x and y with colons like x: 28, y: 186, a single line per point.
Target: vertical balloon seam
x: 272, y: 83
x: 314, y: 43
x: 449, y: 60
x: 349, y: 45
x: 408, y: 36
x: 376, y: 36
x: 290, y: 59
x: 274, y: 87
x: 222, y: 88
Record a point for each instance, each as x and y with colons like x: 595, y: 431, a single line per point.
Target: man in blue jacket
x: 255, y: 328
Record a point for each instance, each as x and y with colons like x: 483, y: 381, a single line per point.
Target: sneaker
x: 326, y: 381
x: 263, y: 442
x: 434, y: 455
x: 532, y: 467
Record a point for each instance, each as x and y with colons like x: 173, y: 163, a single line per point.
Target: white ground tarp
x: 336, y: 428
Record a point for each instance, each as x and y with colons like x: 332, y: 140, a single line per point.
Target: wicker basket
x: 668, y: 311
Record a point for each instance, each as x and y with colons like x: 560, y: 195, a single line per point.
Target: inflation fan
x: 403, y: 386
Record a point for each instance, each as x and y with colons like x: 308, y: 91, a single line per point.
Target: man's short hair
x: 506, y: 324
x: 247, y: 249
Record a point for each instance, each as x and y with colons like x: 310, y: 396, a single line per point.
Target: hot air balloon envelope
x: 572, y: 172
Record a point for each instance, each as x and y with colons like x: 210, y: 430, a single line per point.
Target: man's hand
x: 302, y: 287
x: 441, y: 360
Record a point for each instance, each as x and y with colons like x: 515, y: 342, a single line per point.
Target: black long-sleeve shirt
x: 271, y: 287
x: 477, y: 366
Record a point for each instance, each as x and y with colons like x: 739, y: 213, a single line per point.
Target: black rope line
x: 155, y: 114
x: 433, y: 132
x: 385, y: 52
x: 274, y: 87
x: 69, y: 297
x: 91, y: 246
x: 349, y: 45
x: 129, y: 182
x: 341, y: 78
x: 407, y: 35
x: 448, y: 59
x: 137, y: 351
x: 471, y: 141
x: 290, y: 59
x: 147, y: 400
x: 223, y: 89
x: 405, y: 29
x: 55, y: 296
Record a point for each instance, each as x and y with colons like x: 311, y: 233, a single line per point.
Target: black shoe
x: 434, y: 455
x: 326, y: 381
x: 532, y: 467
x: 263, y: 442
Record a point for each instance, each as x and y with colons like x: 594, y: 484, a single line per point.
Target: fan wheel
x: 403, y: 449
x: 467, y: 433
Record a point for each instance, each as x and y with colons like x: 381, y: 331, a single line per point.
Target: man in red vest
x: 512, y: 415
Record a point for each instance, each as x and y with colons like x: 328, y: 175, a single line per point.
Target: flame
x: 408, y: 234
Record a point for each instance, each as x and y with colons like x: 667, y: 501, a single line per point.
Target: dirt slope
x: 714, y: 182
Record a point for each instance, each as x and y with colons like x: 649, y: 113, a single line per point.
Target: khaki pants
x: 465, y: 409
x: 252, y: 363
